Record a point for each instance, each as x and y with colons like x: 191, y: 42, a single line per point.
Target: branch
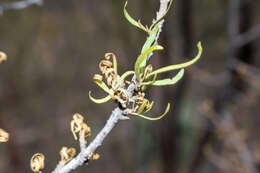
x: 116, y: 115
x: 19, y: 5
x: 247, y: 37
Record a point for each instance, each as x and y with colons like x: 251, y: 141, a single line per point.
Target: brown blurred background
x: 54, y: 49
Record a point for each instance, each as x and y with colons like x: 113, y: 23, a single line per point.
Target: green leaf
x: 155, y: 23
x: 99, y: 101
x: 179, y: 66
x: 169, y: 81
x: 139, y: 64
x: 156, y: 118
x: 150, y: 39
x: 131, y: 20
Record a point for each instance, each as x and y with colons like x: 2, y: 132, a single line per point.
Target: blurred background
x: 54, y: 50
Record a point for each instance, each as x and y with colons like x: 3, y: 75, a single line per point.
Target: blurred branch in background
x: 231, y: 153
x: 19, y: 5
x: 170, y: 133
x: 235, y: 83
x: 247, y: 37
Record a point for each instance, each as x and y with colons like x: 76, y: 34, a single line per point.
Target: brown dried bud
x: 4, y: 136
x: 37, y: 162
x: 3, y: 57
x: 76, y: 124
x: 67, y: 154
x: 95, y: 156
x: 104, y: 65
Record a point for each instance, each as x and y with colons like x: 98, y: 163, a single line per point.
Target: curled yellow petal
x: 99, y: 101
x: 108, y: 55
x: 37, y: 162
x: 156, y: 118
x: 3, y: 57
x: 101, y: 84
x: 4, y: 136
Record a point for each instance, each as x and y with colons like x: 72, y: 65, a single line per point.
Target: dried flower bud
x: 84, y: 132
x: 37, y: 162
x: 139, y: 98
x: 76, y: 124
x: 110, y: 72
x: 121, y: 95
x: 92, y: 156
x: 67, y: 154
x: 4, y: 136
x: 104, y: 64
x: 3, y: 57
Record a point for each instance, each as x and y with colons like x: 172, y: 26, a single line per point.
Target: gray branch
x: 116, y: 115
x: 19, y: 5
x: 247, y: 37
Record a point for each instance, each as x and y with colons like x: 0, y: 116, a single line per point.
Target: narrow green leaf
x: 169, y: 81
x: 155, y: 23
x: 139, y: 65
x: 99, y: 101
x: 131, y: 20
x: 179, y: 66
x: 150, y: 39
x: 156, y: 118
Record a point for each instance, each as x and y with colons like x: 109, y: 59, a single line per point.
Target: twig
x: 227, y: 133
x: 247, y: 37
x: 19, y: 5
x: 116, y: 115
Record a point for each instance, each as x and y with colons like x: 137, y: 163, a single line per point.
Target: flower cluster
x: 117, y: 83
